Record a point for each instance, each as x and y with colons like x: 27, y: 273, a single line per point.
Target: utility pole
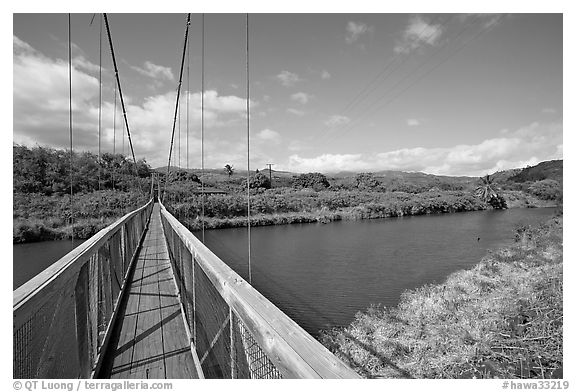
x: 270, y: 172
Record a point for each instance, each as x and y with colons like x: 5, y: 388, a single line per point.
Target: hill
x: 548, y: 170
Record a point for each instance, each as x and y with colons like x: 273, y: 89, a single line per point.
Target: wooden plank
x: 124, y: 344
x: 178, y: 358
x: 288, y: 346
x: 147, y: 361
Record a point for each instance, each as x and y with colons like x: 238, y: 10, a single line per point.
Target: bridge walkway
x: 150, y: 339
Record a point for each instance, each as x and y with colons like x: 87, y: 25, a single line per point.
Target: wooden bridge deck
x: 149, y: 339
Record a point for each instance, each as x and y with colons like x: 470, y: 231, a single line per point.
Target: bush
x: 316, y: 181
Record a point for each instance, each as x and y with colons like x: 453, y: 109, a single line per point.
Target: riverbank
x: 501, y: 319
x: 306, y: 206
x: 280, y: 208
x: 38, y: 217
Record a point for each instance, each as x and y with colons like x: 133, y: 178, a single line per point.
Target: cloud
x: 413, y: 122
x: 268, y: 135
x: 296, y: 112
x: 287, y: 78
x: 549, y: 111
x: 300, y: 97
x: 354, y: 30
x: 336, y: 120
x: 325, y: 75
x: 40, y: 113
x: 525, y: 146
x: 419, y: 32
x: 154, y: 71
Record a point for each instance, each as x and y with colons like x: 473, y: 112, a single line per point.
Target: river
x: 322, y: 274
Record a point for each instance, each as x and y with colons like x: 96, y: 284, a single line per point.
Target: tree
x: 259, y: 180
x: 366, y: 181
x: 487, y: 192
x: 316, y: 181
x: 229, y: 170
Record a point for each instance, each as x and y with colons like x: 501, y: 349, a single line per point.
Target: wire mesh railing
x: 237, y: 332
x: 63, y: 316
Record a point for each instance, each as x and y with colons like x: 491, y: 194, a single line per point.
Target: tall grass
x: 38, y: 217
x: 501, y: 319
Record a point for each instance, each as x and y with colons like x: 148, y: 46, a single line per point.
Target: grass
x: 39, y: 217
x: 284, y: 206
x: 501, y: 319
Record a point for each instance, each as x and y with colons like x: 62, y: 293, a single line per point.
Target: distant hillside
x: 552, y: 170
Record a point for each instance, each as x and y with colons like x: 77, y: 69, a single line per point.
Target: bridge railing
x: 63, y: 316
x: 236, y: 331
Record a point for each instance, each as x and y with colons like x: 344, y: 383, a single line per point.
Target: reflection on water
x: 321, y: 275
x: 31, y: 259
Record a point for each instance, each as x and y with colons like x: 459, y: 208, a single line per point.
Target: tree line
x: 47, y: 171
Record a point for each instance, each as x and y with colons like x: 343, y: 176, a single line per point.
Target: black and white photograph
x: 247, y: 194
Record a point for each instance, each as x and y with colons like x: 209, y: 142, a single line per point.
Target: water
x: 321, y: 275
x: 31, y: 259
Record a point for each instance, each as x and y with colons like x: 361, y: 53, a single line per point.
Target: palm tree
x: 488, y: 193
x: 485, y: 190
x: 229, y: 170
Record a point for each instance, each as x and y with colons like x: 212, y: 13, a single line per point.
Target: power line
x: 373, y: 107
x: 383, y: 75
x: 177, y: 105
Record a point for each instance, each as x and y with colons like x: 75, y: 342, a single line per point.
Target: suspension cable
x: 187, y: 101
x: 70, y: 126
x: 114, y: 141
x: 202, y: 134
x: 121, y: 98
x: 100, y: 106
x: 248, y: 148
x: 177, y: 104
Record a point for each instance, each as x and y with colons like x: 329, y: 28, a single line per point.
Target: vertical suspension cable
x: 187, y: 101
x: 202, y: 133
x: 122, y: 101
x: 70, y: 126
x: 177, y: 106
x: 100, y: 106
x: 186, y: 210
x: 179, y: 132
x: 114, y: 141
x: 248, y: 148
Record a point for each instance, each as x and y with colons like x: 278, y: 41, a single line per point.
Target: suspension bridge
x: 145, y: 298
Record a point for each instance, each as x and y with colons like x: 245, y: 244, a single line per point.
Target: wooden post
x: 232, y: 347
x: 82, y: 322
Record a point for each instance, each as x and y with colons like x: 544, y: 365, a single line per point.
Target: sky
x: 449, y: 94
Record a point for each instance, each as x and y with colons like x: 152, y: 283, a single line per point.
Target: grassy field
x: 501, y: 319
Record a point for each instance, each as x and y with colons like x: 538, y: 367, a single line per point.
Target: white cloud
x: 300, y: 97
x: 154, y: 71
x: 268, y: 135
x: 354, y: 30
x: 40, y: 112
x: 288, y: 78
x: 296, y: 112
x: 413, y: 122
x: 525, y: 146
x: 337, y: 120
x: 418, y: 32
x: 325, y: 75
